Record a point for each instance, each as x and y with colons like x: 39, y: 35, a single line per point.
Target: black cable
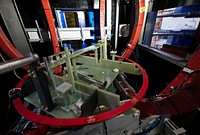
x: 183, y: 83
x: 7, y: 114
x: 11, y: 95
x: 104, y: 123
x: 19, y: 124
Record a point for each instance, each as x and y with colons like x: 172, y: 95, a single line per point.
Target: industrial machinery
x: 87, y: 92
x: 91, y: 91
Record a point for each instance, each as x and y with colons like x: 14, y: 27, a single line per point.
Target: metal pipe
x: 109, y: 18
x: 117, y: 23
x: 13, y: 64
x: 50, y: 74
x: 39, y: 32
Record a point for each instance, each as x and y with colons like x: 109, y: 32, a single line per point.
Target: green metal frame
x: 97, y: 67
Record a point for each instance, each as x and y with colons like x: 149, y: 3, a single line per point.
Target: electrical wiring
x: 24, y: 125
x: 7, y: 114
x: 175, y: 89
x: 2, y: 57
x: 10, y: 96
x: 14, y: 71
x: 183, y: 83
x: 151, y: 127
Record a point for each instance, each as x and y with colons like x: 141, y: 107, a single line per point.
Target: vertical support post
x: 105, y: 49
x: 39, y: 32
x: 113, y: 54
x: 101, y: 52
x: 108, y: 18
x: 149, y: 28
x: 41, y: 85
x: 64, y: 89
x: 50, y: 74
x: 113, y: 57
x: 59, y: 38
x: 117, y: 23
x: 74, y: 67
x: 69, y: 69
x: 96, y: 55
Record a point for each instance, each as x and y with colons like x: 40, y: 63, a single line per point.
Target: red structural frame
x: 102, y: 19
x: 7, y: 46
x: 52, y: 28
x: 183, y: 100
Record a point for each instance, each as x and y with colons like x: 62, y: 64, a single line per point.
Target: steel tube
x: 13, y: 64
x: 117, y: 23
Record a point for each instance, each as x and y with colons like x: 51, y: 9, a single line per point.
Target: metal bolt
x: 116, y: 70
x: 136, y: 114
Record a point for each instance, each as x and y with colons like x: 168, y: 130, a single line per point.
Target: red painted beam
x: 102, y: 19
x: 52, y: 28
x: 7, y: 46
